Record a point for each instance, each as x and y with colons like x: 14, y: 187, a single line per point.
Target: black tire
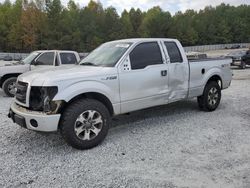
x: 210, y: 100
x: 243, y: 65
x: 69, y: 122
x: 7, y: 84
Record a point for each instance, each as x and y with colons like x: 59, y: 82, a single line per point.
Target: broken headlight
x: 41, y: 98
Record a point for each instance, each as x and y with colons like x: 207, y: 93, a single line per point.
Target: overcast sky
x: 169, y: 5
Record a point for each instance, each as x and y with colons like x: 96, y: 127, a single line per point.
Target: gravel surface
x: 170, y: 146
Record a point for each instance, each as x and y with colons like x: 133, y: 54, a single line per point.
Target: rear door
x: 68, y: 58
x: 143, y: 77
x: 178, y: 77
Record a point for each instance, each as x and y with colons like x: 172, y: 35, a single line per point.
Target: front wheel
x: 9, y: 86
x: 85, y: 123
x: 211, y: 97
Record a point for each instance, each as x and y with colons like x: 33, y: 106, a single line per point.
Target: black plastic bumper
x: 17, y: 119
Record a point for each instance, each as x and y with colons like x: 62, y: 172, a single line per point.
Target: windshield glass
x: 30, y: 57
x: 106, y: 55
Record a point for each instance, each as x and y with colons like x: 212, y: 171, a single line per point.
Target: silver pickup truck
x: 116, y: 78
x: 36, y: 60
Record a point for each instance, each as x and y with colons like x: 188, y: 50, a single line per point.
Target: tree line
x: 37, y: 24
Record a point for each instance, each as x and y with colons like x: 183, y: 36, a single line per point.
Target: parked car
x: 235, y: 46
x: 36, y: 60
x: 17, y: 58
x: 116, y: 78
x: 237, y: 58
x: 7, y: 58
x: 245, y: 60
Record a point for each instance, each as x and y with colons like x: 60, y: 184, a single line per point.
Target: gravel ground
x: 170, y: 146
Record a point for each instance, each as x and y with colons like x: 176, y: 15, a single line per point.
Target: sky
x: 168, y: 5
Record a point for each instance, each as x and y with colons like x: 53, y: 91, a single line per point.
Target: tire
x: 80, y: 130
x: 9, y: 86
x: 242, y: 65
x: 211, y: 97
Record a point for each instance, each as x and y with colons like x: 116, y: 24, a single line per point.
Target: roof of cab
x: 133, y: 40
x: 41, y: 51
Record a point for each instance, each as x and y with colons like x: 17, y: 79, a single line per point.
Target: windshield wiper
x: 88, y: 63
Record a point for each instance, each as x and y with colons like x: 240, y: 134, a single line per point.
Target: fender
x: 215, y: 71
x: 88, y: 86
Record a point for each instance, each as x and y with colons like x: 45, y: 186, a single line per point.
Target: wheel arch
x: 92, y: 95
x: 217, y: 78
x: 6, y: 76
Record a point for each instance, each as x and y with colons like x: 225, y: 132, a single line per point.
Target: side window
x: 46, y: 59
x: 173, y: 52
x: 68, y: 58
x: 145, y: 54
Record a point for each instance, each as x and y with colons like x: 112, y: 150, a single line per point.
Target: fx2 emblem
x: 110, y: 78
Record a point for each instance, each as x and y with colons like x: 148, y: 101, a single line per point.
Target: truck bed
x: 200, y: 68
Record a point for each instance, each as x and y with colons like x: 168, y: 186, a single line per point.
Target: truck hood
x: 10, y: 63
x: 68, y: 74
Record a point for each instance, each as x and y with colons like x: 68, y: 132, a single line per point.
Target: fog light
x: 33, y: 123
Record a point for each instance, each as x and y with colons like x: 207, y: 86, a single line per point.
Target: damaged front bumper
x: 33, y: 120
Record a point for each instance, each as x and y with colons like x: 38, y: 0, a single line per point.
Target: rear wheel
x: 85, y: 123
x: 211, y: 97
x: 9, y: 86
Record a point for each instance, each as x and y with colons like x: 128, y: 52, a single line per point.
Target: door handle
x: 164, y: 73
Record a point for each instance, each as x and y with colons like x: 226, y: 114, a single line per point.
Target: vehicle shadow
x: 185, y: 106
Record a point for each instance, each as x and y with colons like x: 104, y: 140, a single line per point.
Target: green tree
x: 156, y: 23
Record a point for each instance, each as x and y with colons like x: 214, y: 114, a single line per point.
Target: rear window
x: 68, y: 58
x: 173, y: 52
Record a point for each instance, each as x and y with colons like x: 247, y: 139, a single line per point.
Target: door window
x: 68, y: 58
x: 145, y: 54
x: 46, y: 59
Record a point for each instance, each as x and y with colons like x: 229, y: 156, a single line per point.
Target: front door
x: 143, y: 78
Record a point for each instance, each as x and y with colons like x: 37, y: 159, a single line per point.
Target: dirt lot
x: 170, y: 146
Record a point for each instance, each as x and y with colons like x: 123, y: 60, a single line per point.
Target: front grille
x: 21, y: 90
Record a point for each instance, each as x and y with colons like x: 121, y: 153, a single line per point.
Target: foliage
x: 27, y: 25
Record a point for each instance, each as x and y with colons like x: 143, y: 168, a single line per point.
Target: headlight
x: 41, y: 98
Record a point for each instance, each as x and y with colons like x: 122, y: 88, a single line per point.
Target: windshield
x: 30, y: 57
x: 106, y: 55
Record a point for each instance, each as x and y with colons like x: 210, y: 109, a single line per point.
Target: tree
x: 156, y: 23
x: 127, y: 27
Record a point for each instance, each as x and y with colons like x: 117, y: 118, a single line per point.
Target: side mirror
x: 34, y: 62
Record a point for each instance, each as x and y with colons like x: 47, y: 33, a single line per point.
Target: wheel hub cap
x: 12, y: 87
x: 88, y: 125
x: 213, y: 96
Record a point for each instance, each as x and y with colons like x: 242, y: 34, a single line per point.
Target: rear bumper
x: 37, y: 121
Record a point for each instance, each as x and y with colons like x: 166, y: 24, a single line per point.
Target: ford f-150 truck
x: 37, y: 59
x: 116, y: 78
